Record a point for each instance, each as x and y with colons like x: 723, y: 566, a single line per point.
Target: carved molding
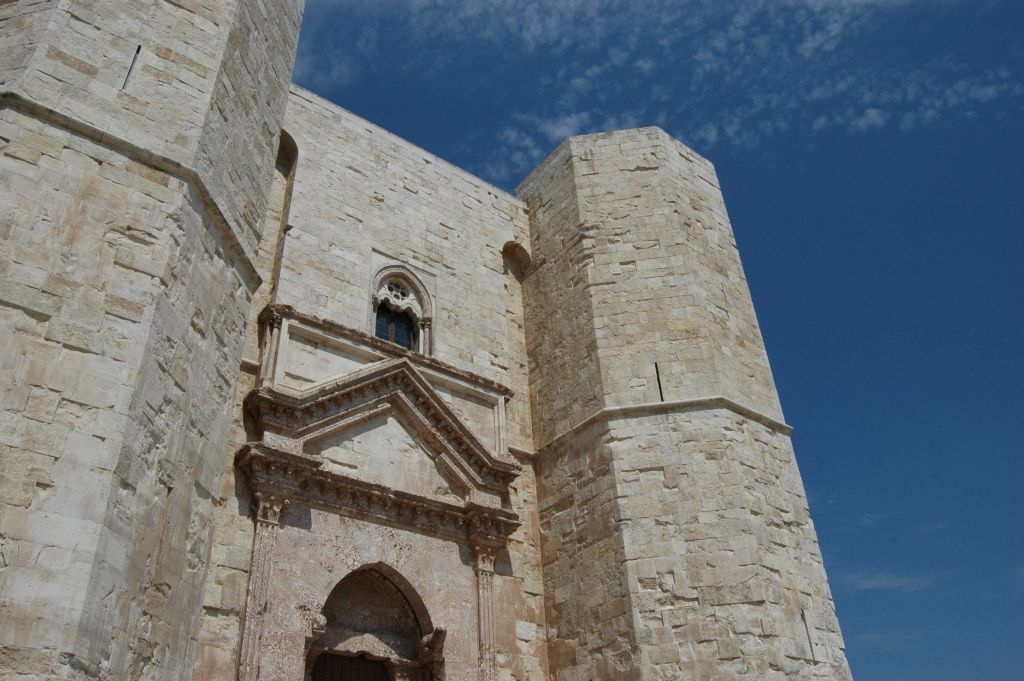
x: 670, y: 407
x: 383, y: 347
x: 278, y: 478
x: 399, y: 298
x: 289, y: 420
x: 484, y: 568
x: 285, y: 467
x: 401, y: 277
x: 300, y: 479
x: 267, y: 509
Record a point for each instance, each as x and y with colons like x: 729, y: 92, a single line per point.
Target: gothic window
x: 396, y: 327
x: 400, y: 310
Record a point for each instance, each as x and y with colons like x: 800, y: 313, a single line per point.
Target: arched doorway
x: 376, y: 628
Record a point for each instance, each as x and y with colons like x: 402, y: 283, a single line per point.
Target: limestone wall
x: 676, y: 540
x: 364, y: 198
x: 521, y: 627
x: 720, y: 554
x: 22, y: 24
x: 126, y: 278
x: 565, y: 367
x: 218, y: 635
x: 178, y: 80
x: 78, y: 298
x: 361, y: 199
x: 707, y: 558
x: 634, y: 225
x: 591, y: 630
x: 80, y: 60
x: 115, y: 369
x: 239, y: 139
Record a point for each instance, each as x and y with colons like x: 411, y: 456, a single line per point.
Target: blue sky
x: 872, y: 158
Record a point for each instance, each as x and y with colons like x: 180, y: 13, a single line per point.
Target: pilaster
x: 484, y: 555
x: 268, y: 509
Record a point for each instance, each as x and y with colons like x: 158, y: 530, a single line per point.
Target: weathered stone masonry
x: 673, y: 503
x: 212, y: 468
x: 129, y: 217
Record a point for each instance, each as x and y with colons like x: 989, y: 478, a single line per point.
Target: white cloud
x: 870, y: 118
x: 644, y: 66
x: 516, y: 152
x: 706, y: 135
x: 558, y: 128
x: 888, y: 581
x: 732, y: 72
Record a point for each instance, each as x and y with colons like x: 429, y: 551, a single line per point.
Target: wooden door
x: 341, y: 668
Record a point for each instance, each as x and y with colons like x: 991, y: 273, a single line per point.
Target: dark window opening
x: 396, y: 327
x: 341, y: 668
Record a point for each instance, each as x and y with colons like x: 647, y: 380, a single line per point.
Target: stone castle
x: 287, y: 398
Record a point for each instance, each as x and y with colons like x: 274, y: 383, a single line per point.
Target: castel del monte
x: 288, y: 398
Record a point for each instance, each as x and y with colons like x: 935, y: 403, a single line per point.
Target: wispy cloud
x: 564, y: 125
x: 515, y: 151
x: 888, y: 581
x: 733, y: 72
x: 870, y: 118
x: 887, y: 640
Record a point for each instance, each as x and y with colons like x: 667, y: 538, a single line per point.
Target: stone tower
x: 678, y: 543
x: 285, y: 397
x: 138, y: 144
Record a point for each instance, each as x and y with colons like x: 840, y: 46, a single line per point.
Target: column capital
x: 268, y: 507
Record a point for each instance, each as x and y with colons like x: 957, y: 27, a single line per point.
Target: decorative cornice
x: 673, y: 406
x: 520, y: 453
x: 272, y: 315
x: 275, y: 473
x: 385, y: 348
x: 303, y: 417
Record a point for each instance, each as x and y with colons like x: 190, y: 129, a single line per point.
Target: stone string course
x: 150, y: 522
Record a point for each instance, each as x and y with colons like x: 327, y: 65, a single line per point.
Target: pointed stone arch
x: 375, y: 614
x: 414, y: 301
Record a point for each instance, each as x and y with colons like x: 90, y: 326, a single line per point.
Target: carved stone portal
x: 374, y: 621
x: 357, y: 611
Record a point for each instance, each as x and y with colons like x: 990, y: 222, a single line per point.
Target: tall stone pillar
x: 268, y: 517
x: 676, y: 536
x: 484, y: 569
x: 138, y: 141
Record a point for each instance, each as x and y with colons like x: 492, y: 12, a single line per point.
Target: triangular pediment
x: 385, y: 449
x: 386, y: 421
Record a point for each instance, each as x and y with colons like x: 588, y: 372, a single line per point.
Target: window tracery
x: 401, y: 310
